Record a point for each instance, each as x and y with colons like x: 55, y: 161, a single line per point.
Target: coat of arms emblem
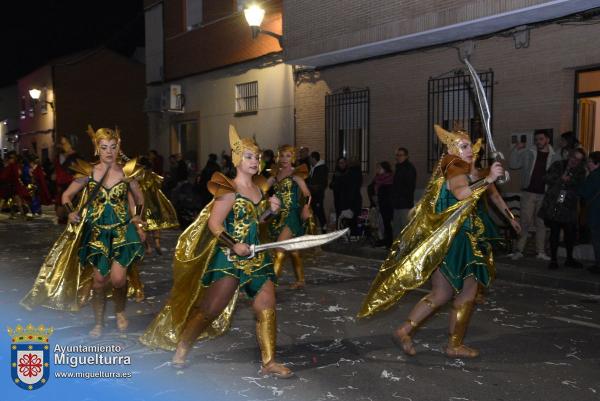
x: 30, y: 355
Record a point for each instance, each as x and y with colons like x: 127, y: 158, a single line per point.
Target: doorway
x: 587, y: 108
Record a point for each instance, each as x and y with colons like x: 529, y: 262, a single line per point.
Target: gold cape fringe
x: 420, y: 248
x: 195, y: 248
x: 156, y: 203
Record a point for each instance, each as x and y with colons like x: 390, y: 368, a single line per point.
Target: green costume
x: 242, y: 224
x: 108, y: 234
x: 470, y: 253
x: 288, y: 191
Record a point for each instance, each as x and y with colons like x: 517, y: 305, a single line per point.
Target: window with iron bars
x: 452, y: 105
x: 347, y: 127
x: 246, y: 98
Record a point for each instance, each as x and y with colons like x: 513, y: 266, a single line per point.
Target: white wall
x: 213, y: 97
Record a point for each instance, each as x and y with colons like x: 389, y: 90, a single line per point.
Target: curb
x: 533, y: 274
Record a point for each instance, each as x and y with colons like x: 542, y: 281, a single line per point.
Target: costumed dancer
x: 14, y: 192
x: 159, y: 213
x: 447, y: 239
x: 206, y: 282
x: 105, y: 236
x: 38, y: 188
x: 288, y: 185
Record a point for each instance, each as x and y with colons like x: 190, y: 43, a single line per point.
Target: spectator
x: 590, y: 192
x: 303, y: 157
x: 317, y: 182
x: 533, y: 163
x: 202, y: 181
x: 62, y: 175
x: 227, y: 166
x: 354, y: 195
x: 339, y: 186
x: 559, y: 206
x: 267, y: 160
x: 157, y: 162
x: 568, y: 142
x: 383, y: 188
x: 403, y: 190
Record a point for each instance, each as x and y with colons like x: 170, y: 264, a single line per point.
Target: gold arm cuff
x: 69, y: 207
x: 479, y: 184
x: 139, y: 209
x: 226, y: 239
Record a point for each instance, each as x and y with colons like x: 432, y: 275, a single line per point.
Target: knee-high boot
x: 298, y: 270
x: 278, y: 260
x: 196, y: 323
x: 420, y: 312
x: 266, y: 335
x: 136, y: 287
x: 462, y: 315
x: 120, y: 299
x: 98, y: 304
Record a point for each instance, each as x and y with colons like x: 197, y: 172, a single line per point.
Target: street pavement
x: 536, y: 343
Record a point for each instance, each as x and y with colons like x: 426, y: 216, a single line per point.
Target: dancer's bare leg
x: 118, y: 278
x: 214, y: 301
x: 440, y: 294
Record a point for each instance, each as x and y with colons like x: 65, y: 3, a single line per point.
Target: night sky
x: 35, y: 32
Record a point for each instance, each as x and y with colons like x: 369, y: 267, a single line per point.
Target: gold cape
x: 156, y: 203
x: 193, y: 253
x: 420, y: 248
x: 61, y: 282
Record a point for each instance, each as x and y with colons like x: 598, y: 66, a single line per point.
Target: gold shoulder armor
x: 301, y: 171
x: 261, y: 182
x: 132, y: 170
x: 453, y: 166
x: 220, y: 185
x: 81, y: 168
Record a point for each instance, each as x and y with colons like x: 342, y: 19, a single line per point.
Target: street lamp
x: 254, y: 16
x: 35, y: 95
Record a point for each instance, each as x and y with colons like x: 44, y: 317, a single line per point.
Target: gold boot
x: 456, y: 348
x: 266, y: 335
x: 298, y: 270
x: 196, y: 323
x: 136, y: 288
x: 278, y: 260
x: 98, y: 304
x: 403, y: 335
x: 120, y: 299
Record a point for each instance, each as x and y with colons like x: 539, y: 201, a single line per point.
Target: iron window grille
x: 246, y: 98
x: 452, y: 104
x: 347, y: 127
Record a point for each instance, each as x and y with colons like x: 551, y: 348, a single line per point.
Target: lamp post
x: 254, y: 16
x: 35, y: 95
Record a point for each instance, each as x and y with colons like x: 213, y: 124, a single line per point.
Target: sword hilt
x: 231, y: 258
x: 499, y: 157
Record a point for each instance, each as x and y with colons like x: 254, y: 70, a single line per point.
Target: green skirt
x: 251, y: 273
x: 103, y: 245
x: 470, y: 254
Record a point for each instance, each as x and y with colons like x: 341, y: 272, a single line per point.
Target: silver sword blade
x: 482, y: 103
x: 302, y: 242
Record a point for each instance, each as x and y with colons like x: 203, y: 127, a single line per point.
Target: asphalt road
x: 535, y: 343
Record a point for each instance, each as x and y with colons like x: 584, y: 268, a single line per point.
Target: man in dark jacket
x: 590, y: 192
x: 317, y: 182
x: 403, y: 190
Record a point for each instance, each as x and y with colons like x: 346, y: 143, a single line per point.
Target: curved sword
x: 294, y: 244
x: 486, y: 115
